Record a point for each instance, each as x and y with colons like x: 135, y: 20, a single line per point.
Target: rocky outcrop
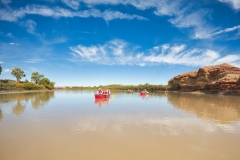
x: 219, y: 78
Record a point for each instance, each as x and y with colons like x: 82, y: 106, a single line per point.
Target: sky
x: 128, y: 42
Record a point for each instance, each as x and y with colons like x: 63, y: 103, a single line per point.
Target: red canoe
x: 97, y: 96
x: 143, y: 93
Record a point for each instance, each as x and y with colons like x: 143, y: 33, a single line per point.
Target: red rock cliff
x: 219, y: 78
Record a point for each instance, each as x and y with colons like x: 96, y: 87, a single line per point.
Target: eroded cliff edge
x: 223, y: 78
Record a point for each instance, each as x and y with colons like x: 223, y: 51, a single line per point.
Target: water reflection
x: 223, y: 110
x: 41, y: 99
x: 1, y: 115
x: 100, y: 102
x: 18, y: 108
x: 72, y: 125
x: 37, y: 100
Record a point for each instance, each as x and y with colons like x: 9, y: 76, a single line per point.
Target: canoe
x: 143, y: 93
x: 97, y: 96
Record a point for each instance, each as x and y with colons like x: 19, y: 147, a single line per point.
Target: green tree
x: 0, y: 69
x: 18, y: 73
x: 47, y: 83
x: 36, y: 77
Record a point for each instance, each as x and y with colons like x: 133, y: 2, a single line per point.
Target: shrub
x: 8, y: 86
x: 30, y: 86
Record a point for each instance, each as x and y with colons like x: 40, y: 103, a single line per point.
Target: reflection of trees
x: 37, y: 99
x: 1, y: 115
x: 18, y: 108
x: 41, y: 99
x: 221, y: 109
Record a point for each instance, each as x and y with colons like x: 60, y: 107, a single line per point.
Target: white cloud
x: 57, y: 12
x: 34, y: 60
x: 180, y: 54
x: 34, y: 69
x: 196, y: 19
x: 30, y: 25
x: 227, y: 30
x: 6, y: 70
x: 11, y: 15
x: 232, y: 59
x: 182, y: 14
x: 111, y: 53
x: 9, y: 34
x: 5, y: 2
x: 119, y: 52
x: 11, y: 43
x: 74, y: 4
x: 234, y: 3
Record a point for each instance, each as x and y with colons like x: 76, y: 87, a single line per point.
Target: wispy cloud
x: 5, y: 2
x: 30, y: 25
x: 111, y: 53
x: 6, y: 70
x: 119, y: 52
x: 74, y: 4
x: 196, y: 21
x: 34, y: 60
x: 12, y: 43
x: 235, y: 4
x: 57, y: 12
x: 9, y: 34
x: 11, y: 15
x: 181, y: 13
x: 227, y: 30
x: 34, y: 69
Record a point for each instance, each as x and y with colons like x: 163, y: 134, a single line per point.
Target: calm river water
x: 71, y: 125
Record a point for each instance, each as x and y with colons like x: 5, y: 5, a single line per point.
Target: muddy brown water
x: 72, y: 125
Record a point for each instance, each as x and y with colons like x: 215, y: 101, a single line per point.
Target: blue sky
x: 100, y: 42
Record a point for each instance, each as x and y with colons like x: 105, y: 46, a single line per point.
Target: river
x: 72, y: 125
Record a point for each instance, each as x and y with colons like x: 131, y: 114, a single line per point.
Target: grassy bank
x: 10, y: 85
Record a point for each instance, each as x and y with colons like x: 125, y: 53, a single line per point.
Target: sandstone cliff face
x: 219, y: 78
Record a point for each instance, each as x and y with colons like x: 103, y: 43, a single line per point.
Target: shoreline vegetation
x: 38, y: 82
x: 11, y: 87
x: 15, y: 86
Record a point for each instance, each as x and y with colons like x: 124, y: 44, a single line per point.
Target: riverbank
x: 191, y: 92
x: 24, y: 91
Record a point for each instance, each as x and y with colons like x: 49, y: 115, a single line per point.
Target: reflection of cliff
x: 18, y: 108
x: 220, y: 109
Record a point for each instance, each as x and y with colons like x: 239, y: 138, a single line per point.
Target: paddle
x: 113, y: 95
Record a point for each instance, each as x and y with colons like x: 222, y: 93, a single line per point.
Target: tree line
x: 38, y: 81
x: 119, y: 87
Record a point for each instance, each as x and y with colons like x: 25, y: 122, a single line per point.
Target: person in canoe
x: 107, y: 91
x: 100, y: 92
x: 144, y: 91
x: 129, y: 91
